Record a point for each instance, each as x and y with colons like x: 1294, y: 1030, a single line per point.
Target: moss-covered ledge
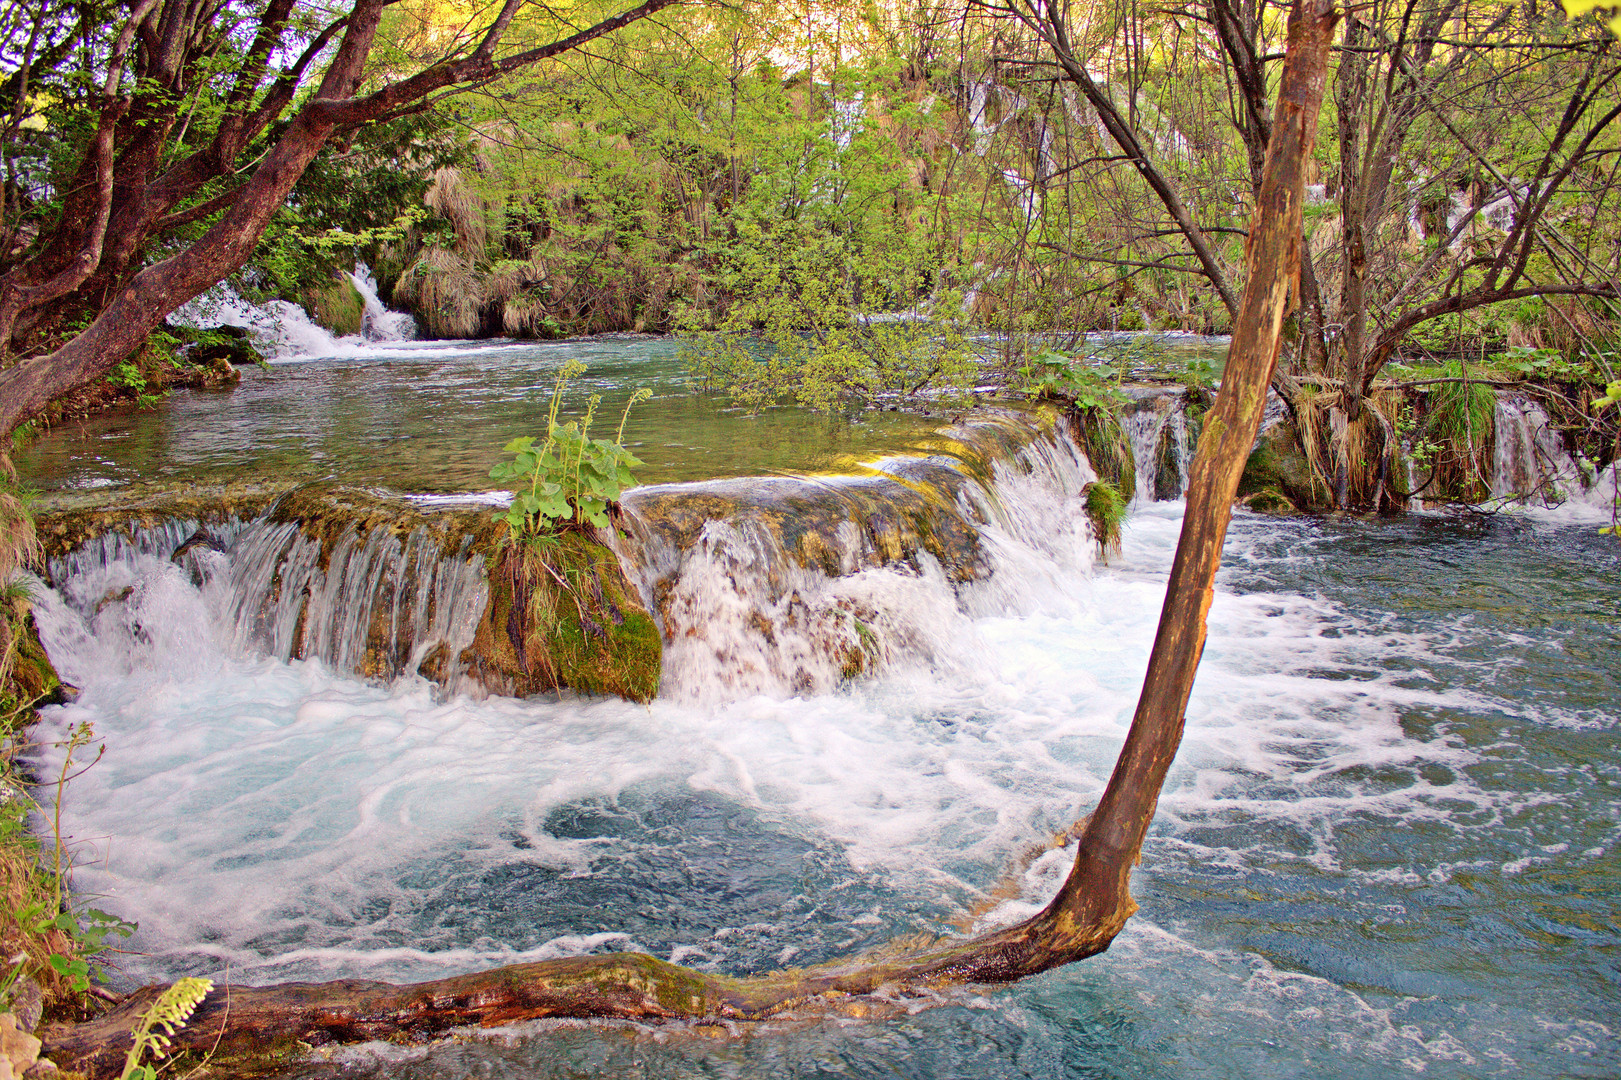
x: 560, y: 612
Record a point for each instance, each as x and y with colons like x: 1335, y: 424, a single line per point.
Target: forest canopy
x: 863, y: 186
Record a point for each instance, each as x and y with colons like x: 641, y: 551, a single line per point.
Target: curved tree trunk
x: 1094, y: 902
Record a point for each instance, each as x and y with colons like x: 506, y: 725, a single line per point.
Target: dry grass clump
x: 445, y: 291
x: 450, y: 195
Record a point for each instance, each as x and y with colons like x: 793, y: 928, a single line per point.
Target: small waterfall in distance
x: 1157, y: 426
x: 1529, y: 460
x: 283, y: 329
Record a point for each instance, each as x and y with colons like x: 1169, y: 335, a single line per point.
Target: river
x: 1389, y: 845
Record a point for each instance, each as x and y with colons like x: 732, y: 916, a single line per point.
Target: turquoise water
x: 1389, y: 845
x: 433, y: 416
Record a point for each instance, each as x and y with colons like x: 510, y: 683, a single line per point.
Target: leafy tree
x: 180, y: 114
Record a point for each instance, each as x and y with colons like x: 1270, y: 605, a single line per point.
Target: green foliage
x: 1107, y: 508
x: 832, y: 365
x: 354, y: 201
x: 88, y: 929
x: 1420, y: 449
x: 1462, y: 414
x: 128, y: 376
x: 572, y: 478
x: 152, y: 1032
x: 1547, y: 365
x: 1053, y: 374
x: 1108, y: 448
x: 1200, y: 374
x: 1459, y: 425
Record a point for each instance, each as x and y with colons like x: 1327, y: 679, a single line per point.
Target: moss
x: 1278, y: 464
x: 562, y: 614
x: 33, y: 676
x: 1108, y: 448
x: 1270, y: 501
x: 1107, y: 509
x: 337, y: 308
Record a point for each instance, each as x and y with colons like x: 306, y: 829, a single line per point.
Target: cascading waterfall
x: 284, y: 330
x: 1387, y: 846
x: 375, y: 605
x: 1529, y: 460
x: 776, y: 585
x: 880, y: 569
x: 380, y: 323
x: 1158, y: 429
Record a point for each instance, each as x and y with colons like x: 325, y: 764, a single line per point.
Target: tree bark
x: 1094, y: 902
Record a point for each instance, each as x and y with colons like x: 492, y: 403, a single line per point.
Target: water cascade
x: 313, y: 577
x: 380, y: 324
x: 1157, y: 425
x: 792, y: 585
x: 284, y: 330
x: 1529, y: 460
x: 1387, y: 847
x: 769, y: 585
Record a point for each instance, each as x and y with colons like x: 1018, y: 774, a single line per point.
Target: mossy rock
x: 1108, y: 448
x: 836, y: 524
x: 1278, y: 463
x: 337, y: 308
x: 33, y: 680
x: 66, y: 520
x: 1270, y: 501
x: 562, y: 614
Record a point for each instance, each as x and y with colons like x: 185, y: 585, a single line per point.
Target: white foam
x: 279, y: 818
x: 285, y: 331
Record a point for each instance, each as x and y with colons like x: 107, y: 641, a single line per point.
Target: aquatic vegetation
x: 1106, y: 507
x: 572, y: 479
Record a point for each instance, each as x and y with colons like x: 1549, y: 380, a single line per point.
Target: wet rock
x: 561, y: 613
x: 199, y: 539
x: 1269, y: 501
x: 1278, y: 463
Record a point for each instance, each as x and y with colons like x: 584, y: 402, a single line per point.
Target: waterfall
x: 790, y: 585
x: 1158, y: 429
x: 1529, y: 460
x: 768, y: 585
x: 381, y: 324
x: 371, y: 603
x: 284, y: 330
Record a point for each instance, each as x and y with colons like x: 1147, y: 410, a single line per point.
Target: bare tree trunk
x: 1094, y: 902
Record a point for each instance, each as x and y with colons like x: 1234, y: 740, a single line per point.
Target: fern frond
x: 169, y: 1012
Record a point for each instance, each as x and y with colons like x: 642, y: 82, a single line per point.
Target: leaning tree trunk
x: 1095, y: 900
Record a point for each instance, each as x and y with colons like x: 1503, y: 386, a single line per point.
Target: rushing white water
x: 380, y: 323
x: 284, y: 330
x: 1531, y: 468
x: 1387, y: 846
x: 1158, y: 430
x: 375, y: 604
x: 349, y: 826
x: 742, y: 616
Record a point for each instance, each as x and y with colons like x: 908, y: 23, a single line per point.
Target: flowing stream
x: 1388, y: 847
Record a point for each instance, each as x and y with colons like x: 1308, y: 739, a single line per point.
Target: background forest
x: 866, y: 187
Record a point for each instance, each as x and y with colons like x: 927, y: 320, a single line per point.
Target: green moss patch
x: 562, y: 614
